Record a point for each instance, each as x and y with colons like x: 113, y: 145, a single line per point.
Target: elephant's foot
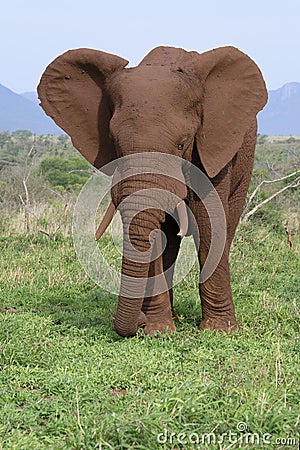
x: 142, y: 320
x: 155, y: 327
x: 227, y: 326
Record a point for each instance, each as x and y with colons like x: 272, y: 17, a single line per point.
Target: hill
x: 19, y: 113
x: 32, y: 96
x: 282, y: 112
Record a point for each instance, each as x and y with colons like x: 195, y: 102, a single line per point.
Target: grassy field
x: 67, y: 381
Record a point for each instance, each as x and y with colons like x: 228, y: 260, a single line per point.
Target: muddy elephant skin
x: 199, y: 107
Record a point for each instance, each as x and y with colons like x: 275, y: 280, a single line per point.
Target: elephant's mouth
x: 134, y: 191
x: 110, y: 212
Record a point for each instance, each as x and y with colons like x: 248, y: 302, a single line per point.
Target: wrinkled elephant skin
x: 199, y: 107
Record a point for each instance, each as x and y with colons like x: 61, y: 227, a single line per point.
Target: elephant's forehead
x: 146, y: 83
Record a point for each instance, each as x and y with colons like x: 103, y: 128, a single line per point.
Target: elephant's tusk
x: 183, y: 219
x: 108, y: 216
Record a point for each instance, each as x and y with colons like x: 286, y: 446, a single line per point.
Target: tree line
x: 44, y: 170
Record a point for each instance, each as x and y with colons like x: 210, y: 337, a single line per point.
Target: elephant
x: 199, y: 108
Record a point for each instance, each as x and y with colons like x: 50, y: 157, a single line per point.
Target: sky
x: 33, y: 32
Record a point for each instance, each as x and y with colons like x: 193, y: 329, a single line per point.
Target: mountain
x: 281, y: 115
x: 21, y: 112
x: 32, y: 96
x: 17, y: 112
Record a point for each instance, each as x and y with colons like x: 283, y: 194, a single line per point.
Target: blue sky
x: 33, y: 32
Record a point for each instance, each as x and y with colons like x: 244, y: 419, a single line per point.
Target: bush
x: 69, y: 173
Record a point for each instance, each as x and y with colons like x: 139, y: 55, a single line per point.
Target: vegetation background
x: 67, y: 381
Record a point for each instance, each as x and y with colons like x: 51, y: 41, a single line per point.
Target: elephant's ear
x: 234, y: 92
x: 72, y: 92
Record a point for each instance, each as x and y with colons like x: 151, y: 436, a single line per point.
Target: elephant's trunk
x: 139, y: 235
x: 143, y: 199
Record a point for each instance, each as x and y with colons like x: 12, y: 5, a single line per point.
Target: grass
x: 67, y: 381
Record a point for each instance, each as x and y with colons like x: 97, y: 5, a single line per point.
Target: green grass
x: 67, y: 381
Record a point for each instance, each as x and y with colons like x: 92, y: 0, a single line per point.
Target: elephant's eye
x: 180, y: 147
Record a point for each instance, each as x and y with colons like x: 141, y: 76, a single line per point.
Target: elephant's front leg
x: 216, y: 295
x: 157, y: 308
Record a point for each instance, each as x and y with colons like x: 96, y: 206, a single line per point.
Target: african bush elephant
x: 198, y: 107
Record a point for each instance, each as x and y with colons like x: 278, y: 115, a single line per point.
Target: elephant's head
x: 172, y: 102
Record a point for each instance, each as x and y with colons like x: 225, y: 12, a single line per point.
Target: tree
x: 26, y: 174
x: 292, y: 184
x: 69, y: 173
